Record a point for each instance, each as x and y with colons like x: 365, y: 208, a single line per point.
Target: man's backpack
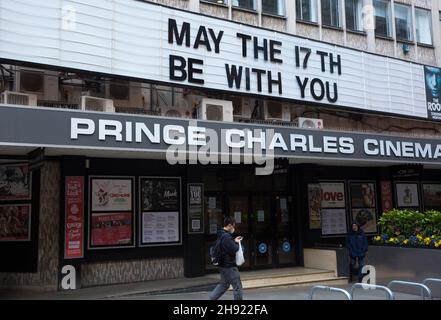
x: 216, y: 251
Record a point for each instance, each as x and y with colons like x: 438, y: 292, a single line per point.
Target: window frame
x: 389, y: 22
x: 283, y: 9
x: 239, y: 7
x: 299, y: 13
x: 339, y: 11
x: 429, y: 12
x: 409, y: 24
x: 357, y: 14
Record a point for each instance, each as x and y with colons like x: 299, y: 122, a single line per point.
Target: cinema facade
x: 128, y: 132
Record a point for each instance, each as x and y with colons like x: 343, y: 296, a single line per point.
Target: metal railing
x: 329, y: 289
x: 423, y: 287
x: 427, y: 280
x: 390, y: 295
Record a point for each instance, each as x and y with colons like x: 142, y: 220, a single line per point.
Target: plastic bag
x: 239, y: 256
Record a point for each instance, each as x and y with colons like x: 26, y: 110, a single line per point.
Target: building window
x: 216, y: 1
x: 423, y: 23
x: 331, y: 13
x: 276, y: 7
x: 403, y: 22
x: 353, y: 10
x: 306, y: 10
x: 245, y: 4
x: 382, y: 18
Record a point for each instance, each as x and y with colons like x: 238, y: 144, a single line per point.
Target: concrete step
x: 285, y: 278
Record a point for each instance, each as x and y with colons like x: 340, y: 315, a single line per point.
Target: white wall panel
x: 130, y: 38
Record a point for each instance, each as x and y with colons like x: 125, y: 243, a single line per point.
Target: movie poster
x: 432, y: 195
x: 432, y: 76
x: 366, y: 218
x: 160, y: 194
x: 15, y: 222
x: 160, y: 227
x: 111, y: 194
x: 314, y: 201
x: 386, y: 196
x: 74, y: 217
x: 362, y: 194
x: 333, y: 221
x: 332, y: 195
x: 407, y: 195
x: 111, y: 229
x: 15, y: 182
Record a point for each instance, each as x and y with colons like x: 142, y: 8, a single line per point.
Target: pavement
x: 192, y: 289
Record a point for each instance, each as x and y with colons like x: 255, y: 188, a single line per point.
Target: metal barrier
x: 330, y: 289
x: 390, y: 295
x: 425, y: 281
x: 423, y: 287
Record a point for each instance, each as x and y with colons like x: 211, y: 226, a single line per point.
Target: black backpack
x: 216, y: 251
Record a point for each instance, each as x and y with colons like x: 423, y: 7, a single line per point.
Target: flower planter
x: 409, y: 264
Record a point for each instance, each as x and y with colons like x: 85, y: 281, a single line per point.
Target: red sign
x: 332, y: 196
x: 111, y: 229
x: 386, y: 196
x: 74, y: 218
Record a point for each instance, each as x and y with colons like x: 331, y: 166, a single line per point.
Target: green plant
x: 410, y: 228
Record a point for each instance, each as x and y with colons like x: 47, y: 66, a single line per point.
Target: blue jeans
x: 229, y: 276
x: 360, y: 267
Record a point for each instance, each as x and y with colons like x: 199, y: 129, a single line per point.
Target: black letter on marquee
x: 274, y: 51
x: 322, y: 55
x: 217, y: 40
x: 244, y: 38
x: 335, y: 63
x: 192, y: 70
x: 202, y: 38
x: 302, y: 85
x: 259, y: 73
x: 181, y: 68
x: 328, y: 93
x: 173, y: 31
x: 322, y: 88
x: 233, y: 76
x: 271, y: 82
x: 258, y: 48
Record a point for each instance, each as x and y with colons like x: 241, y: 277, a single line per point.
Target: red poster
x: 111, y: 229
x: 386, y: 196
x: 74, y: 214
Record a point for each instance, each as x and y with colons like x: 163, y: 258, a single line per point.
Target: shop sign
x: 162, y: 44
x: 106, y: 131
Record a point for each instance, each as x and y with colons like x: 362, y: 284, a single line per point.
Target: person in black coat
x: 229, y: 272
x: 357, y: 245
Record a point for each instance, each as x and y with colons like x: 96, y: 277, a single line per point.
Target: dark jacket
x: 357, y: 244
x: 228, y: 249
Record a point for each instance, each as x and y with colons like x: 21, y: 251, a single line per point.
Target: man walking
x: 229, y: 273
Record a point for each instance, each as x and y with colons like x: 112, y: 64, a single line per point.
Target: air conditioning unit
x: 125, y: 94
x: 176, y: 112
x: 243, y: 107
x: 43, y: 83
x: 17, y: 98
x: 97, y: 104
x: 309, y: 123
x: 216, y: 110
x: 275, y: 110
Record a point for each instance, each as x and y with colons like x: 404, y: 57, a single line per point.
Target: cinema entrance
x: 264, y: 212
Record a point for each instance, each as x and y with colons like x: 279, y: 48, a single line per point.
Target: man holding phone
x: 229, y: 272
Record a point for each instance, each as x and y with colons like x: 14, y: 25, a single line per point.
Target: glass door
x: 238, y: 208
x: 285, y: 252
x: 261, y: 219
x: 213, y: 218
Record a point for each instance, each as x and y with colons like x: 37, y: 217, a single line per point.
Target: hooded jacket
x: 228, y: 249
x: 357, y: 244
